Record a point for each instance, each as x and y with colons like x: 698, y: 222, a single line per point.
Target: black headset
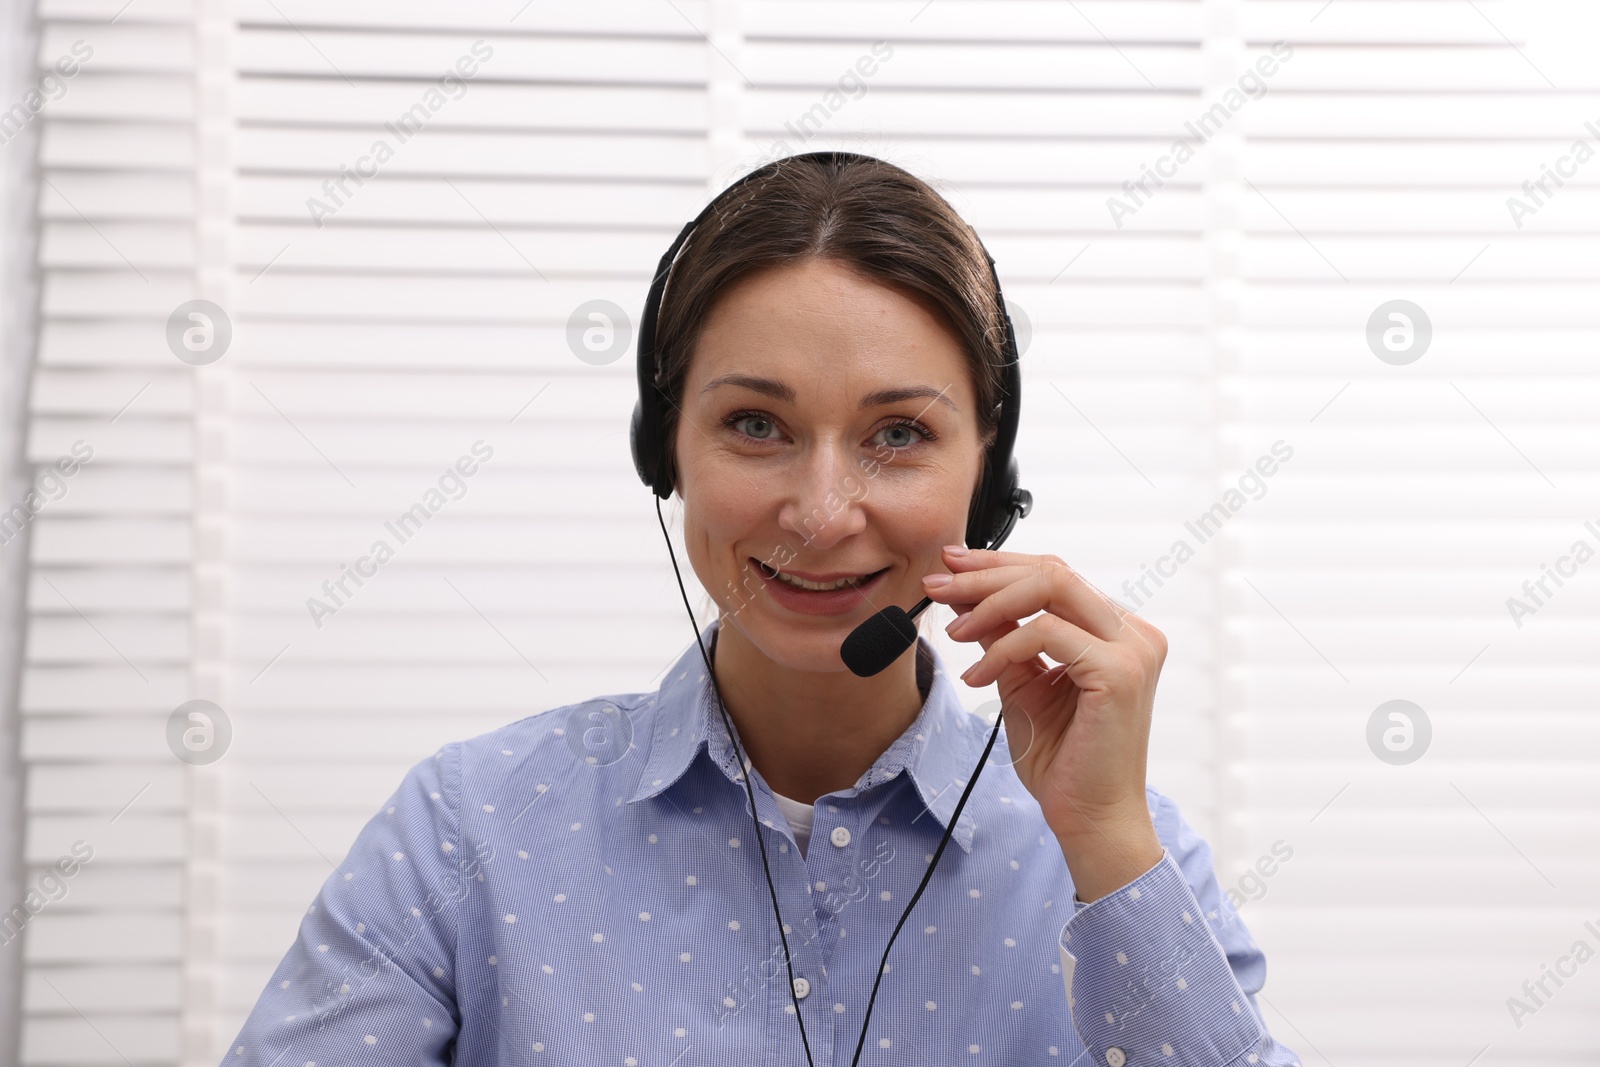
x: 990, y: 519
x: 998, y: 503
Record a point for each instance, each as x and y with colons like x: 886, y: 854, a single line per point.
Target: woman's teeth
x: 815, y: 587
x: 801, y: 583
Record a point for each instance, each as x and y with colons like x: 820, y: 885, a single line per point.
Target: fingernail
x: 934, y: 581
x: 966, y: 675
x: 956, y: 550
x: 955, y: 624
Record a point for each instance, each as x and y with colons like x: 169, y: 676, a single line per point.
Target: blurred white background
x: 381, y: 325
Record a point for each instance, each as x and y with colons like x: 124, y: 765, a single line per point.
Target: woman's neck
x: 811, y: 733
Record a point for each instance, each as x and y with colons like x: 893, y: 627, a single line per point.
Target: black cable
x: 749, y: 768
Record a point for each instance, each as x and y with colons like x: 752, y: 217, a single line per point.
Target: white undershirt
x: 799, y: 816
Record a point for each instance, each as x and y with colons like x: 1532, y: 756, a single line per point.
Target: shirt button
x: 840, y: 836
x: 1115, y: 1056
x: 802, y: 988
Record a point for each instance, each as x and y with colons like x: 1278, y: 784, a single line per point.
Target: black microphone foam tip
x: 879, y: 641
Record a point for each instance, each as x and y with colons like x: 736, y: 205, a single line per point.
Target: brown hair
x: 881, y: 220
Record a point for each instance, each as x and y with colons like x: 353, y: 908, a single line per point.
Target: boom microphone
x: 881, y: 640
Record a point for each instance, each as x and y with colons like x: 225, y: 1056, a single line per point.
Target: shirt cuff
x: 1147, y: 982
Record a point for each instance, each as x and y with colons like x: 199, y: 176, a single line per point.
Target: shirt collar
x: 940, y: 748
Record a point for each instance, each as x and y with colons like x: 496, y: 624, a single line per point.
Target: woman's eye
x: 761, y: 426
x: 898, y: 432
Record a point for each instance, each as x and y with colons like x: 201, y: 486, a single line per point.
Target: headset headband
x: 998, y: 503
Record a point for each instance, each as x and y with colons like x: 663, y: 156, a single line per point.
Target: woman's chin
x: 804, y: 644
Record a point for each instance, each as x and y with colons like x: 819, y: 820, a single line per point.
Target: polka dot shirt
x: 585, y: 887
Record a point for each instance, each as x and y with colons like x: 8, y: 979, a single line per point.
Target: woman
x: 586, y: 886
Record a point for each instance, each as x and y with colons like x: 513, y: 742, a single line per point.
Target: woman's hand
x: 1079, y: 731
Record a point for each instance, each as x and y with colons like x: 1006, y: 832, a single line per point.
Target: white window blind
x: 392, y: 309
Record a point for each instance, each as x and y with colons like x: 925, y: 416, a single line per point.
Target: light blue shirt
x: 583, y: 887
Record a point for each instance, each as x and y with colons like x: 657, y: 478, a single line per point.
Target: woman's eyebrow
x: 779, y: 391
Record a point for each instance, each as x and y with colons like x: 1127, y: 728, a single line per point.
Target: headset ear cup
x: 644, y: 440
x: 636, y: 443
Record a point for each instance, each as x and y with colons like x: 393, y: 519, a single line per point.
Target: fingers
x: 1010, y: 586
x: 1047, y: 635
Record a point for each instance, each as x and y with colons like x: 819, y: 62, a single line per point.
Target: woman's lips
x: 812, y: 602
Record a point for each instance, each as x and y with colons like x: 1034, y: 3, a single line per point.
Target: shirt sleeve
x: 372, y: 970
x: 1163, y: 971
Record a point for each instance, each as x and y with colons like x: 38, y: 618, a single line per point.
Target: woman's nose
x: 823, y: 509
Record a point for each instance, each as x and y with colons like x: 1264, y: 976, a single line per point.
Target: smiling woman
x: 814, y: 290
x: 838, y: 385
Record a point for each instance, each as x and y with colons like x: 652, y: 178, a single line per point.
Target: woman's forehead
x: 818, y: 326
x: 821, y: 293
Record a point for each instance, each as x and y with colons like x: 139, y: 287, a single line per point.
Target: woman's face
x: 828, y: 429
